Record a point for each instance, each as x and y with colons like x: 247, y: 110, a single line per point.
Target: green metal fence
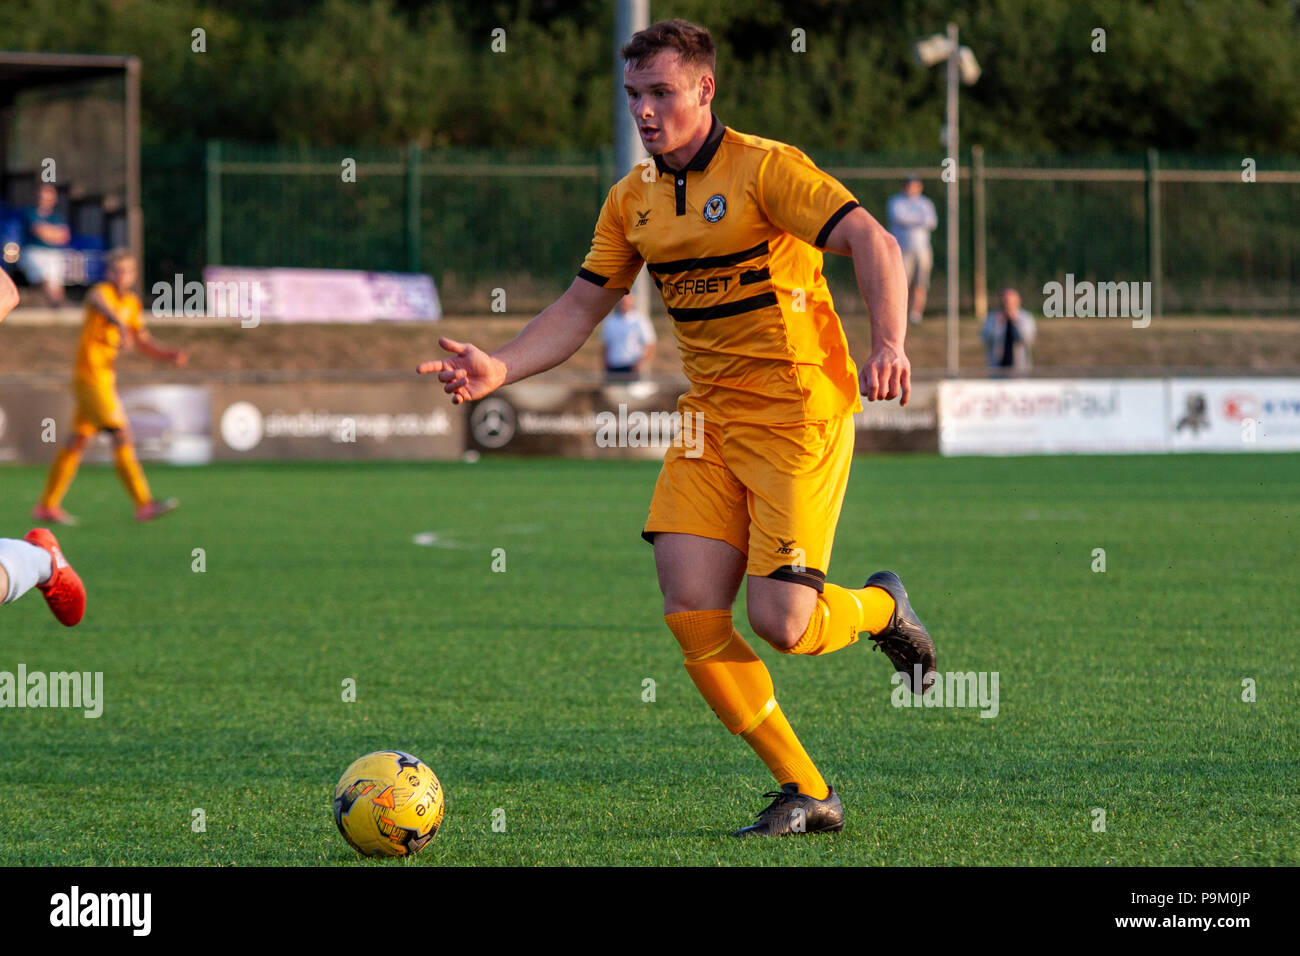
x: 521, y: 221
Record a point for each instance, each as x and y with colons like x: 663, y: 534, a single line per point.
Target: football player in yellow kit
x: 732, y: 229
x: 113, y: 317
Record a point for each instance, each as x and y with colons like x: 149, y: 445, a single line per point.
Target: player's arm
x: 549, y: 339
x: 146, y: 344
x: 807, y: 203
x: 137, y: 337
x: 882, y: 280
x: 8, y: 295
x: 97, y: 302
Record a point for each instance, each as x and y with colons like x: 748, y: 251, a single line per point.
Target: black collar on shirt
x: 700, y: 161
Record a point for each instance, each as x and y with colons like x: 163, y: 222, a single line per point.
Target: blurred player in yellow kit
x: 732, y: 228
x: 113, y: 318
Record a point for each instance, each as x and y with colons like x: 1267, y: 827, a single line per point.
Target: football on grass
x: 388, y: 804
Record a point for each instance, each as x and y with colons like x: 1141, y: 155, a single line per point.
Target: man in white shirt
x: 911, y: 220
x: 628, y: 338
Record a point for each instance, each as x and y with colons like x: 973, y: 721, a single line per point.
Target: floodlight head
x: 933, y: 49
x: 968, y: 66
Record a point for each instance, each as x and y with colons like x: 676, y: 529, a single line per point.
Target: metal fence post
x: 952, y: 266
x: 1154, y: 265
x: 412, y: 208
x: 213, y: 170
x: 134, y: 209
x: 979, y: 236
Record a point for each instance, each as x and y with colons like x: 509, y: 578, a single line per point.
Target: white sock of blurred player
x: 22, y: 567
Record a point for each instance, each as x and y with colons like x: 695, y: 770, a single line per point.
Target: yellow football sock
x: 776, y: 744
x: 62, y: 471
x: 840, y: 614
x: 736, y: 684
x: 128, y: 469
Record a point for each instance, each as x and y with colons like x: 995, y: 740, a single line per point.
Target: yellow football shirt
x: 734, y: 243
x: 101, y: 338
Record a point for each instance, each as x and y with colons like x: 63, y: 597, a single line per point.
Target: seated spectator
x: 629, y: 340
x: 45, y: 235
x: 1008, y: 335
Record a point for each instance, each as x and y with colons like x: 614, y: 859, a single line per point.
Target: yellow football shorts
x: 98, y: 406
x: 773, y: 492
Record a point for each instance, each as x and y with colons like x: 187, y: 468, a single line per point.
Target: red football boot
x: 64, y: 592
x: 156, y: 509
x: 52, y: 516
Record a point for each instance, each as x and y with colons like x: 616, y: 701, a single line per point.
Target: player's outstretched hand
x: 468, y: 375
x: 887, y: 374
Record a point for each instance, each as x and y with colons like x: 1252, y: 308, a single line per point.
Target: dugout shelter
x: 82, y: 112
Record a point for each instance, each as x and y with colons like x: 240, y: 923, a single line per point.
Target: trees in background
x: 1214, y: 76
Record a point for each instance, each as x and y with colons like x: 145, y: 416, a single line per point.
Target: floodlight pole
x: 954, y: 185
x: 629, y: 17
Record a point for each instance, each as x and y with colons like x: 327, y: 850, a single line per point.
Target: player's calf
x: 779, y: 611
x: 881, y: 610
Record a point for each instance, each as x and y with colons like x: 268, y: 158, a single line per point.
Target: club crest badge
x: 715, y: 208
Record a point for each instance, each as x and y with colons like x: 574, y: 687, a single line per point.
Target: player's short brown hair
x: 691, y: 42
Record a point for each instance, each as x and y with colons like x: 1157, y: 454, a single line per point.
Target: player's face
x: 122, y: 274
x: 1011, y: 301
x: 667, y: 100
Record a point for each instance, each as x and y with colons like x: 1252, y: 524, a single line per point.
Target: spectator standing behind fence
x: 629, y: 340
x: 911, y: 220
x: 45, y: 234
x: 1009, y: 335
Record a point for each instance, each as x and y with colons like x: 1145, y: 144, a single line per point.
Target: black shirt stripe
x: 709, y: 262
x: 724, y: 310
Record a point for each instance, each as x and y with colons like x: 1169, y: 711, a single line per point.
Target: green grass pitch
x: 523, y: 690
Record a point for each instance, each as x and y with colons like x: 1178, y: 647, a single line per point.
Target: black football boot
x: 792, y: 813
x: 904, y: 640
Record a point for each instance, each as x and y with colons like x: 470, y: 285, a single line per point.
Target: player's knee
x: 690, y: 594
x: 780, y: 627
x: 680, y: 599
